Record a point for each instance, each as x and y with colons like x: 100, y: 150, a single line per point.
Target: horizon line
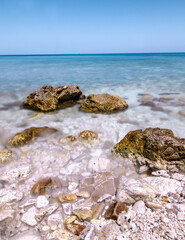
x: 67, y: 54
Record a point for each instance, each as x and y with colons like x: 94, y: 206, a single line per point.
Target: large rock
x: 48, y: 98
x: 103, y: 103
x: 29, y: 134
x: 154, y: 147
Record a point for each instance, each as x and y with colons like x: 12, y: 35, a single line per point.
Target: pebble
x: 29, y: 217
x: 28, y: 235
x: 42, y: 202
x: 139, y: 207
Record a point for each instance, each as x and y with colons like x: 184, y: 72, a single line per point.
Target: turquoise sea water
x: 130, y: 76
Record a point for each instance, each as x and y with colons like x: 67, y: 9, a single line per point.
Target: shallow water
x: 130, y: 76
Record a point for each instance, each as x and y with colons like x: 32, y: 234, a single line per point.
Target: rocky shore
x: 52, y: 187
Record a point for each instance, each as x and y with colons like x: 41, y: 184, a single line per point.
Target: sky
x: 91, y: 26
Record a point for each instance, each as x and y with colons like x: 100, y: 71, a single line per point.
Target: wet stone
x: 5, y: 155
x: 88, y: 136
x: 68, y: 198
x: 40, y: 186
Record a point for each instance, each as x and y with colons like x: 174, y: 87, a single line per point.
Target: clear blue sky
x: 91, y: 26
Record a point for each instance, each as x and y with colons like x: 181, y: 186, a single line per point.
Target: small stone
x: 29, y: 217
x: 55, y: 219
x: 70, y: 220
x: 75, y: 228
x: 153, y: 205
x: 16, y: 174
x: 83, y: 214
x: 45, y: 211
x: 40, y: 186
x: 119, y: 207
x: 9, y: 196
x: 178, y: 176
x: 181, y: 216
x: 42, y: 201
x: 104, y: 197
x: 88, y: 136
x: 139, y: 207
x: 110, y: 210
x: 4, y: 214
x: 72, y: 186
x: 97, y: 210
x: 83, y: 194
x: 68, y: 198
x: 5, y: 155
x: 165, y: 199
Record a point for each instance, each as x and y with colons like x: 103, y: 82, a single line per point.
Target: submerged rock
x: 88, y: 136
x: 48, y: 98
x: 103, y: 103
x: 40, y: 186
x: 29, y: 134
x: 5, y: 155
x: 157, y: 148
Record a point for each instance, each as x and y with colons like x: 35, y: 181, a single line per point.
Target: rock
x: 88, y: 233
x: 5, y: 155
x: 146, y: 98
x: 29, y: 134
x: 99, y: 184
x: 48, y: 98
x: 70, y: 220
x: 8, y: 196
x: 83, y: 214
x: 122, y: 196
x: 103, y: 103
x: 83, y: 194
x: 61, y: 234
x: 153, y: 205
x: 29, y: 217
x: 139, y: 207
x: 115, y: 209
x: 162, y: 173
x: 6, y: 213
x: 164, y: 185
x: 97, y: 164
x: 88, y: 136
x: 27, y: 235
x: 154, y: 147
x: 42, y: 201
x: 68, y: 198
x: 40, y: 186
x: 179, y: 177
x: 75, y: 228
x: 97, y: 210
x: 55, y: 219
x: 45, y: 211
x: 138, y: 188
x: 16, y: 174
x: 68, y: 139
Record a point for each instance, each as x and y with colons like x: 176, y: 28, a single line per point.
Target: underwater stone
x: 88, y: 136
x: 48, y: 98
x: 29, y: 134
x: 5, y: 155
x: 29, y: 217
x: 103, y: 103
x: 42, y: 201
x: 40, y: 186
x: 27, y: 235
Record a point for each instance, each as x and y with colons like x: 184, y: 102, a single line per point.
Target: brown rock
x: 157, y: 148
x: 48, y: 98
x: 29, y: 134
x: 68, y: 198
x: 88, y: 136
x: 103, y: 103
x: 40, y: 186
x: 5, y: 155
x: 83, y: 214
x: 75, y: 228
x: 115, y: 209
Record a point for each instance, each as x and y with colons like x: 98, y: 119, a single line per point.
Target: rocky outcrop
x: 154, y: 147
x: 29, y: 134
x: 103, y: 103
x: 48, y: 98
